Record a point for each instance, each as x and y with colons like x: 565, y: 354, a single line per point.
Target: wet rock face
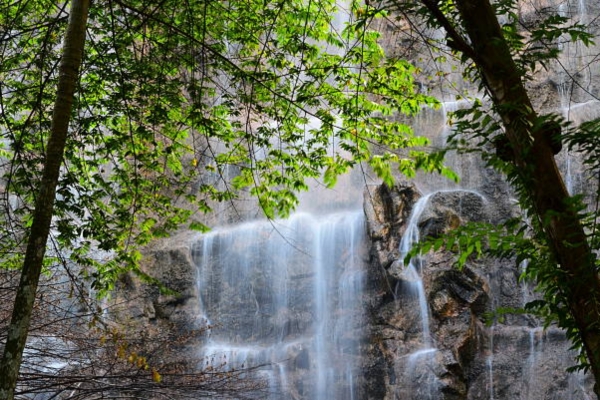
x: 449, y: 209
x: 462, y: 357
x: 170, y: 262
x: 387, y: 211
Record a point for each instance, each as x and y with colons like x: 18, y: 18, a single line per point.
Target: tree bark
x: 44, y: 206
x: 533, y: 156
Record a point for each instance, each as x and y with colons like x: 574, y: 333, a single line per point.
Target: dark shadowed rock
x: 387, y: 210
x: 447, y: 210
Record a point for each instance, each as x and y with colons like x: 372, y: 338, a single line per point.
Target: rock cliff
x: 467, y: 356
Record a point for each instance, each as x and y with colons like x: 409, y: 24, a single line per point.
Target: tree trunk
x: 541, y: 177
x: 44, y: 206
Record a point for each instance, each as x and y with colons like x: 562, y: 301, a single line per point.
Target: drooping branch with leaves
x: 169, y: 97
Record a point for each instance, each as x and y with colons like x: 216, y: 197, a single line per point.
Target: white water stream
x: 286, y: 295
x: 419, y: 375
x: 413, y: 269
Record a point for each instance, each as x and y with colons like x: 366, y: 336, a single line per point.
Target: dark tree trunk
x: 44, y: 206
x: 534, y: 157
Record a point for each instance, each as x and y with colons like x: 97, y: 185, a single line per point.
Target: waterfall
x: 419, y: 376
x: 536, y: 347
x: 286, y: 296
x: 413, y: 269
x: 489, y: 366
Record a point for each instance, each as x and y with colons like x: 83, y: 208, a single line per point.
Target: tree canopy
x: 172, y: 95
x: 168, y: 98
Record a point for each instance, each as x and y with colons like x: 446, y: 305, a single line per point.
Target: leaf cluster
x: 181, y: 105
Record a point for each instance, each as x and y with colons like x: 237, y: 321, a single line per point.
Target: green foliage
x: 181, y: 105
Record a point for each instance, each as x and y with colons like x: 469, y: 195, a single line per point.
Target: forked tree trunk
x: 44, y: 206
x: 542, y: 179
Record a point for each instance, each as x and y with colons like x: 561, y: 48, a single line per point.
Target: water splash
x: 489, y: 365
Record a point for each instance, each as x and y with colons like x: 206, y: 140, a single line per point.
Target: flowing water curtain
x: 419, y: 381
x: 286, y: 296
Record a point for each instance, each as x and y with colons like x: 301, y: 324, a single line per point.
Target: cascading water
x: 286, y: 296
x: 421, y: 380
x: 536, y: 345
x: 489, y: 366
x: 413, y: 269
x: 576, y: 80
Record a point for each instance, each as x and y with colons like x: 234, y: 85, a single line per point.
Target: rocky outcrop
x: 163, y: 322
x: 170, y: 263
x: 265, y: 313
x: 465, y: 355
x: 387, y: 211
